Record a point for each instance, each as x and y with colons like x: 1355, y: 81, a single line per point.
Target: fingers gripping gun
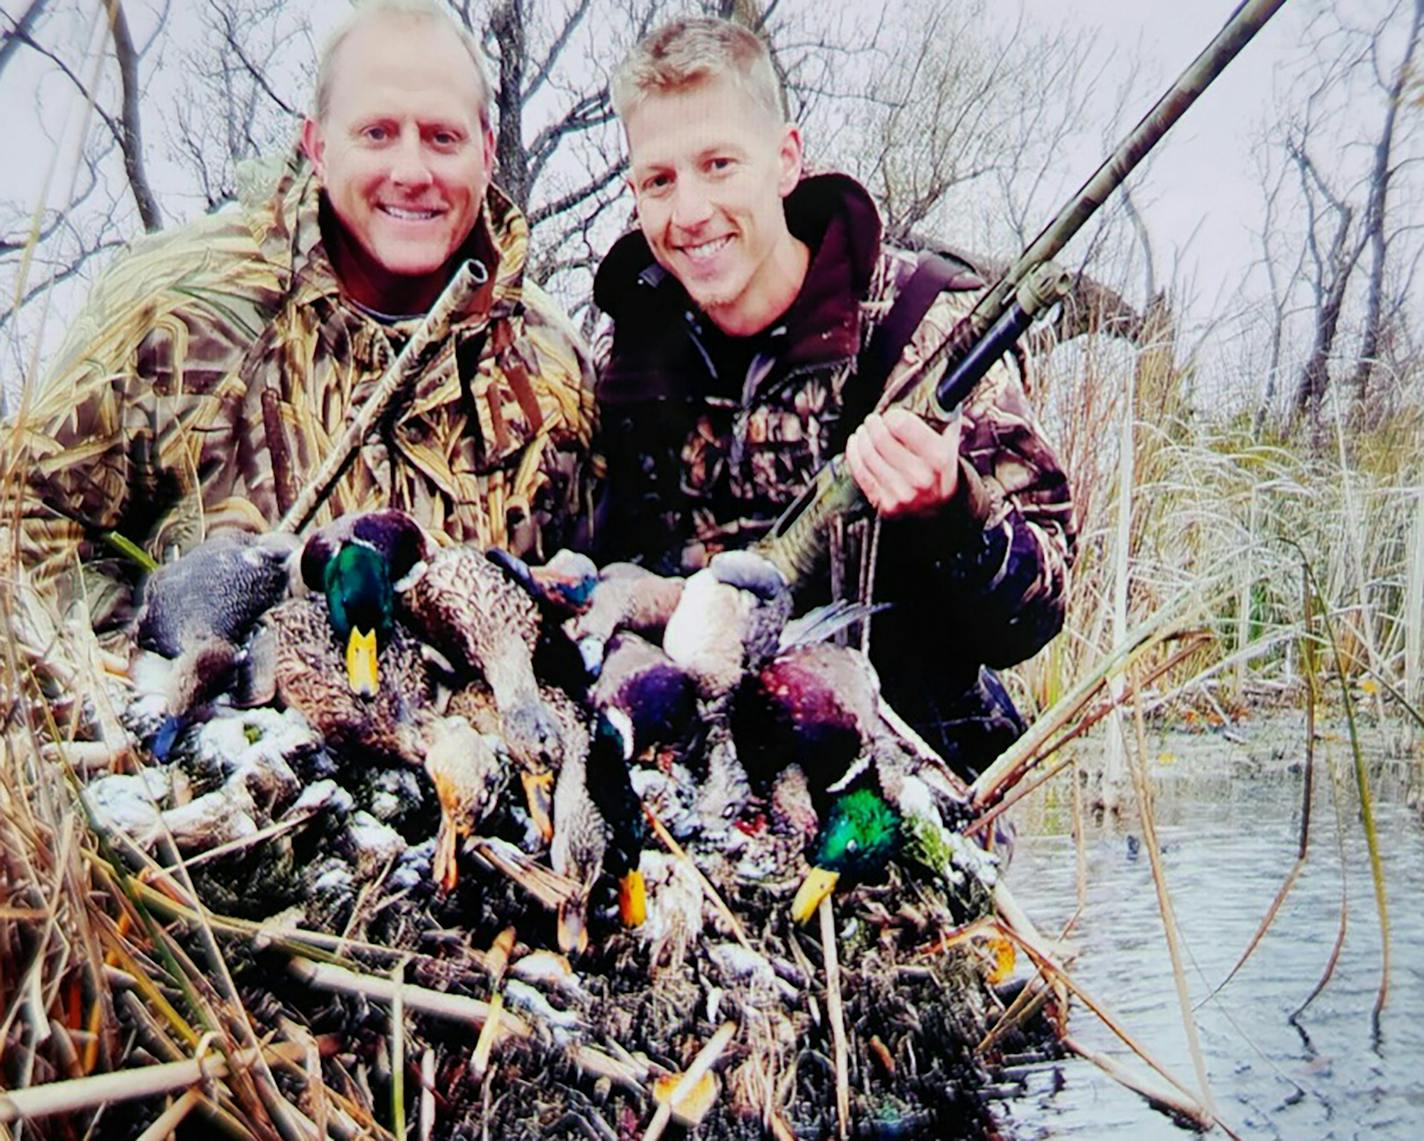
x: 1031, y: 286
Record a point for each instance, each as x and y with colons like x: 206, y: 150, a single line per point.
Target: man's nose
x: 409, y: 163
x: 691, y: 205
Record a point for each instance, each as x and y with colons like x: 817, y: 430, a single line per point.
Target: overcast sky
x: 1200, y: 200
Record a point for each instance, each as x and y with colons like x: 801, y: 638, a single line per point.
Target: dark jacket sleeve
x: 993, y: 563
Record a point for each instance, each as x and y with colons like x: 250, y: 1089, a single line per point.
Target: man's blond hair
x: 690, y: 51
x: 409, y: 11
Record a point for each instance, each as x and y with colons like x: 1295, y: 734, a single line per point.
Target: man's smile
x: 409, y: 213
x: 706, y: 251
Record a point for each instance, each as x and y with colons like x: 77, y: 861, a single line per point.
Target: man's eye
x: 445, y: 139
x: 721, y: 163
x: 376, y: 133
x: 655, y: 183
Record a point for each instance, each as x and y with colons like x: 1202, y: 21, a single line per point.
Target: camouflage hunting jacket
x: 705, y: 439
x: 217, y: 364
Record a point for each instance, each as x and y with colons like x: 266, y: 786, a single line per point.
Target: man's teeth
x: 408, y: 215
x: 707, y: 249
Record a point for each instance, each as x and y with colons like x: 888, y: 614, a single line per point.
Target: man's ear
x: 313, y: 144
x: 790, y: 158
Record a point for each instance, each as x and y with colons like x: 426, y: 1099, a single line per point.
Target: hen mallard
x: 599, y: 826
x: 469, y: 775
x: 199, y: 611
x: 537, y: 770
x: 466, y: 607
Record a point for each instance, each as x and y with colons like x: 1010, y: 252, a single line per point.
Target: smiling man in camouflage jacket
x: 216, y: 365
x: 740, y: 314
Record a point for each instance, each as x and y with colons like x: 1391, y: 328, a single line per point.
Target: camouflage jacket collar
x: 282, y: 199
x: 831, y: 213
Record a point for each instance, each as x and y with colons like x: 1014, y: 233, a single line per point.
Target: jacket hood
x: 831, y: 213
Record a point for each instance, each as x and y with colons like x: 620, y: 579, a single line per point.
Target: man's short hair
x: 411, y: 11
x: 690, y: 51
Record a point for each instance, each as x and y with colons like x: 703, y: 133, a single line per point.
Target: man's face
x: 709, y: 168
x: 403, y: 158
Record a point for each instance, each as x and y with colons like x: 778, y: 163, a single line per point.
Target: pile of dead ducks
x: 335, y: 728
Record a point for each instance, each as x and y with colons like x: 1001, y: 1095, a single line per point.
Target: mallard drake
x: 199, y: 611
x: 808, y: 727
x: 598, y: 826
x: 359, y: 564
x: 658, y: 697
x: 813, y: 706
x: 860, y: 835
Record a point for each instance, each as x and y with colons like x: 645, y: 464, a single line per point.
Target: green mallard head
x: 361, y: 601
x: 860, y: 835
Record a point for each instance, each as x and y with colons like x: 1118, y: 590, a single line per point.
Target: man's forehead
x: 710, y: 114
x: 388, y: 54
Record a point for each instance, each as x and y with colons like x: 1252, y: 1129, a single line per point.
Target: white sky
x: 1200, y: 198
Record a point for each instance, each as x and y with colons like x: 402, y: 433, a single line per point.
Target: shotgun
x: 1028, y: 289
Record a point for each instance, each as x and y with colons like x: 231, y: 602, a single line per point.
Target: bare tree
x: 1349, y: 218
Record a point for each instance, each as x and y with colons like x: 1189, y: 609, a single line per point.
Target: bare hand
x: 902, y: 464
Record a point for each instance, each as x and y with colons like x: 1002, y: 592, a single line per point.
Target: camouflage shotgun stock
x: 1006, y: 309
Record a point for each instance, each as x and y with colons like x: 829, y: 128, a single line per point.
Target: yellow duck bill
x: 818, y: 884
x: 361, y: 663
x: 632, y: 899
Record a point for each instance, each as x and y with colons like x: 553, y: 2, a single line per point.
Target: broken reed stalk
x: 458, y: 1008
x: 1155, y: 1095
x: 1162, y: 626
x: 398, y: 1048
x: 836, y: 1012
x: 122, y: 1085
x: 708, y: 890
x: 1137, y: 767
x: 426, y: 1119
x: 705, y: 1060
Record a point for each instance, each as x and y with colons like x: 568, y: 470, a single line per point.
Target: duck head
x: 860, y: 834
x: 359, y: 563
x: 610, y: 754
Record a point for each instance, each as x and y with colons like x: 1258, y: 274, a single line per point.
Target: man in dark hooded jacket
x: 740, y: 315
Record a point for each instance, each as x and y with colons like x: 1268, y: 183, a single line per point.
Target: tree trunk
x: 512, y: 160
x: 1375, y: 218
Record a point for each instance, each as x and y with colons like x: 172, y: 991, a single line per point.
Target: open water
x: 1228, y: 817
